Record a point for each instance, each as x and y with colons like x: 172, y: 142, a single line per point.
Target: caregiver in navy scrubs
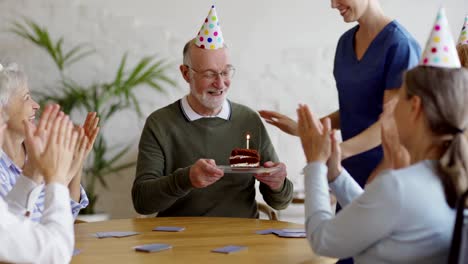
x: 369, y: 61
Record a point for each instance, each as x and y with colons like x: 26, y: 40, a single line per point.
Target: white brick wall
x: 283, y: 52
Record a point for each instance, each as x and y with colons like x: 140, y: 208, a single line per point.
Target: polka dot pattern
x: 210, y: 35
x: 463, y: 39
x: 440, y: 48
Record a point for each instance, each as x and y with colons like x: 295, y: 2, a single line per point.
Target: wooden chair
x: 272, y: 215
x: 459, y: 248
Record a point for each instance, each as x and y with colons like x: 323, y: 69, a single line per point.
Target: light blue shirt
x: 401, y: 217
x: 9, y: 174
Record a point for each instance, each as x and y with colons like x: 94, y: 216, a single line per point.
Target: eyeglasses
x: 211, y: 75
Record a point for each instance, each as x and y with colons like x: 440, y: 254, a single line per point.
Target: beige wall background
x: 283, y: 52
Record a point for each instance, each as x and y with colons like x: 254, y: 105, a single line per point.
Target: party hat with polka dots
x: 210, y: 36
x: 440, y: 48
x: 463, y: 39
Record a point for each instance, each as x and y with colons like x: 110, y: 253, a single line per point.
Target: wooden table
x: 202, y: 234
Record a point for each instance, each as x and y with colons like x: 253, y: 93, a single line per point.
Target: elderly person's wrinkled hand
x: 204, y: 173
x: 53, y: 160
x: 87, y: 134
x: 36, y: 138
x: 274, y: 180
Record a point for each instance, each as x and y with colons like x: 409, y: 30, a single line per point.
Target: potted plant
x: 105, y: 98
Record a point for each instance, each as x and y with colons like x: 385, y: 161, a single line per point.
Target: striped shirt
x: 9, y: 174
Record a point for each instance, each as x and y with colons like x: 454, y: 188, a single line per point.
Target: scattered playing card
x: 115, y: 234
x: 229, y: 249
x: 152, y: 247
x: 76, y: 251
x: 169, y: 228
x: 290, y: 234
x: 266, y: 231
x: 293, y: 230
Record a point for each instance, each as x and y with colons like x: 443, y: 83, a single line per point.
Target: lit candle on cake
x: 248, y: 138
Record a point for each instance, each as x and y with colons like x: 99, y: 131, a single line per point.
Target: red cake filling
x: 244, y: 158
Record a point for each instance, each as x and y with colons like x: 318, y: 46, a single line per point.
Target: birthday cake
x: 244, y: 158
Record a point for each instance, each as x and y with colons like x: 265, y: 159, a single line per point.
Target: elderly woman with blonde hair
x: 19, y: 106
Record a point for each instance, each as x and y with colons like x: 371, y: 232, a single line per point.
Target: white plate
x: 257, y: 170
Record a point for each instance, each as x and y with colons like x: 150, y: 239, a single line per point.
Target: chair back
x: 459, y: 249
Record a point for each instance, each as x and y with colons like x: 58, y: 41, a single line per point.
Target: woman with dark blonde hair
x: 405, y: 215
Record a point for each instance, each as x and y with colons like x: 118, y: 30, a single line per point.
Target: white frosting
x: 250, y: 165
x: 240, y: 157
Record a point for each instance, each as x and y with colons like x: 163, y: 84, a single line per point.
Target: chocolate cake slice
x: 244, y: 158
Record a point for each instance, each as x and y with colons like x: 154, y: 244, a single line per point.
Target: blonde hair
x: 444, y: 96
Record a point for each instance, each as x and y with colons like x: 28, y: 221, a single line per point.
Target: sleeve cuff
x: 340, y: 180
x: 23, y: 196
x: 315, y: 167
x: 84, y: 201
x: 182, y: 180
x: 60, y: 190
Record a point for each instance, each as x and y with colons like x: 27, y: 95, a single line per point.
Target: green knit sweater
x: 170, y: 144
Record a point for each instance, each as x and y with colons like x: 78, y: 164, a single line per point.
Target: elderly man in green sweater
x: 182, y: 144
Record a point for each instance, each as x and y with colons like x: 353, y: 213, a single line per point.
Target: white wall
x: 283, y: 52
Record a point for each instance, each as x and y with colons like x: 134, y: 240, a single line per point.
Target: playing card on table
x: 229, y: 249
x: 115, y: 234
x: 266, y: 231
x: 169, y: 228
x: 152, y: 247
x: 290, y: 234
x: 293, y: 230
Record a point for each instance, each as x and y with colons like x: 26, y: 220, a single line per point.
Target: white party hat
x: 210, y: 35
x: 440, y: 48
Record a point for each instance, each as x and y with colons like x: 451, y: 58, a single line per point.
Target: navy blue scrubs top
x: 361, y: 85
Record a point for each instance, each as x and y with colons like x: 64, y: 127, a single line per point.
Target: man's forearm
x: 152, y: 194
x: 278, y: 200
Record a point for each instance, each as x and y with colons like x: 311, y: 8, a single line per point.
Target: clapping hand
x: 52, y: 159
x: 396, y: 156
x: 87, y: 134
x: 37, y: 138
x: 315, y: 136
x: 334, y: 162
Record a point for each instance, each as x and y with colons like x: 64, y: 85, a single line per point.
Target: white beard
x: 209, y: 101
